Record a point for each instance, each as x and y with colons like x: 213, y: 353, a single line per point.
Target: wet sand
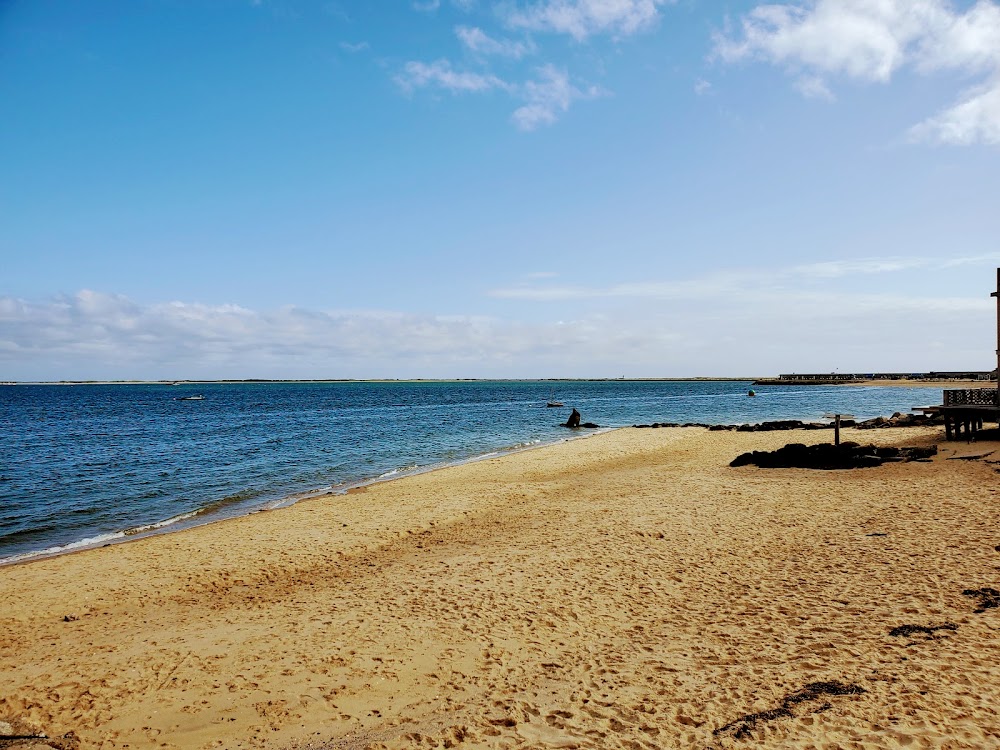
x: 626, y: 590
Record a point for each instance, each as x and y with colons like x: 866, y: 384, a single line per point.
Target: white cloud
x: 745, y: 321
x: 92, y: 335
x: 871, y: 40
x: 476, y: 40
x: 759, y: 321
x: 702, y: 87
x: 584, y: 18
x: 441, y: 74
x: 426, y: 6
x: 976, y: 119
x: 547, y: 97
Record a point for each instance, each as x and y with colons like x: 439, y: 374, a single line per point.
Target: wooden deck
x: 965, y: 409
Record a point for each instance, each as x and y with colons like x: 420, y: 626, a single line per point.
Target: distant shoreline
x: 882, y: 382
x: 757, y: 381
x: 747, y: 379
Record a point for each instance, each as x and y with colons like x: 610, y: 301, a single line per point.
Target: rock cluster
x: 827, y: 456
x: 785, y: 424
x: 899, y: 420
x: 896, y: 420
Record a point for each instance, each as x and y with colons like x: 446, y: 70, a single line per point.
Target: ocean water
x: 88, y: 464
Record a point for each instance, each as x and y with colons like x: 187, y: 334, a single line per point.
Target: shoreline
x: 211, y: 512
x: 205, y: 516
x: 219, y: 510
x: 626, y: 588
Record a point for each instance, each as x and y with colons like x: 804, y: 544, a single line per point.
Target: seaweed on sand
x: 908, y: 630
x: 744, y: 726
x: 988, y: 598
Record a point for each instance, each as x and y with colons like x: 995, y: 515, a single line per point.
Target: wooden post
x: 836, y: 424
x: 997, y: 295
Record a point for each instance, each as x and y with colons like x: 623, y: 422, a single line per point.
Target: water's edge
x: 205, y: 516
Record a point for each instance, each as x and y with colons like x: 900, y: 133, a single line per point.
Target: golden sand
x: 626, y: 590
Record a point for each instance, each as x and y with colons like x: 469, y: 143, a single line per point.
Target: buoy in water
x: 751, y: 393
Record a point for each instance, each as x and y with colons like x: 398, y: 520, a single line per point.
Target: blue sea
x: 88, y: 464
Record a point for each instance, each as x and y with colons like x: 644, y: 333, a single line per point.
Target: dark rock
x: 574, y: 419
x: 826, y: 456
x: 590, y: 426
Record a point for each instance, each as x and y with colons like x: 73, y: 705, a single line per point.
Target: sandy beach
x: 628, y: 590
x: 936, y: 384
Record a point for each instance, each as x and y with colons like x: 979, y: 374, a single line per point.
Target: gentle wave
x: 62, y: 549
x: 398, y: 471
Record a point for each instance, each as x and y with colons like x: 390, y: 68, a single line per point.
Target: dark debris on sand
x: 988, y: 598
x: 22, y: 735
x: 908, y: 630
x: 742, y: 727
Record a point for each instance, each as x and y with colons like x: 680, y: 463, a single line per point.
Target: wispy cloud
x: 354, y: 47
x: 479, y: 42
x: 813, y: 87
x: 441, y: 74
x: 872, y: 41
x: 548, y: 96
x: 585, y: 18
x: 744, y: 284
x: 545, y: 98
x: 549, y: 90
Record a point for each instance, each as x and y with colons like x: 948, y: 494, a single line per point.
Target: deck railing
x: 971, y: 397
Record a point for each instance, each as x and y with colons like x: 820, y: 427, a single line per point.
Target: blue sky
x: 520, y: 188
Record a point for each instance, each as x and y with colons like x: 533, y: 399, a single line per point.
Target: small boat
x: 199, y: 397
x: 553, y: 404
